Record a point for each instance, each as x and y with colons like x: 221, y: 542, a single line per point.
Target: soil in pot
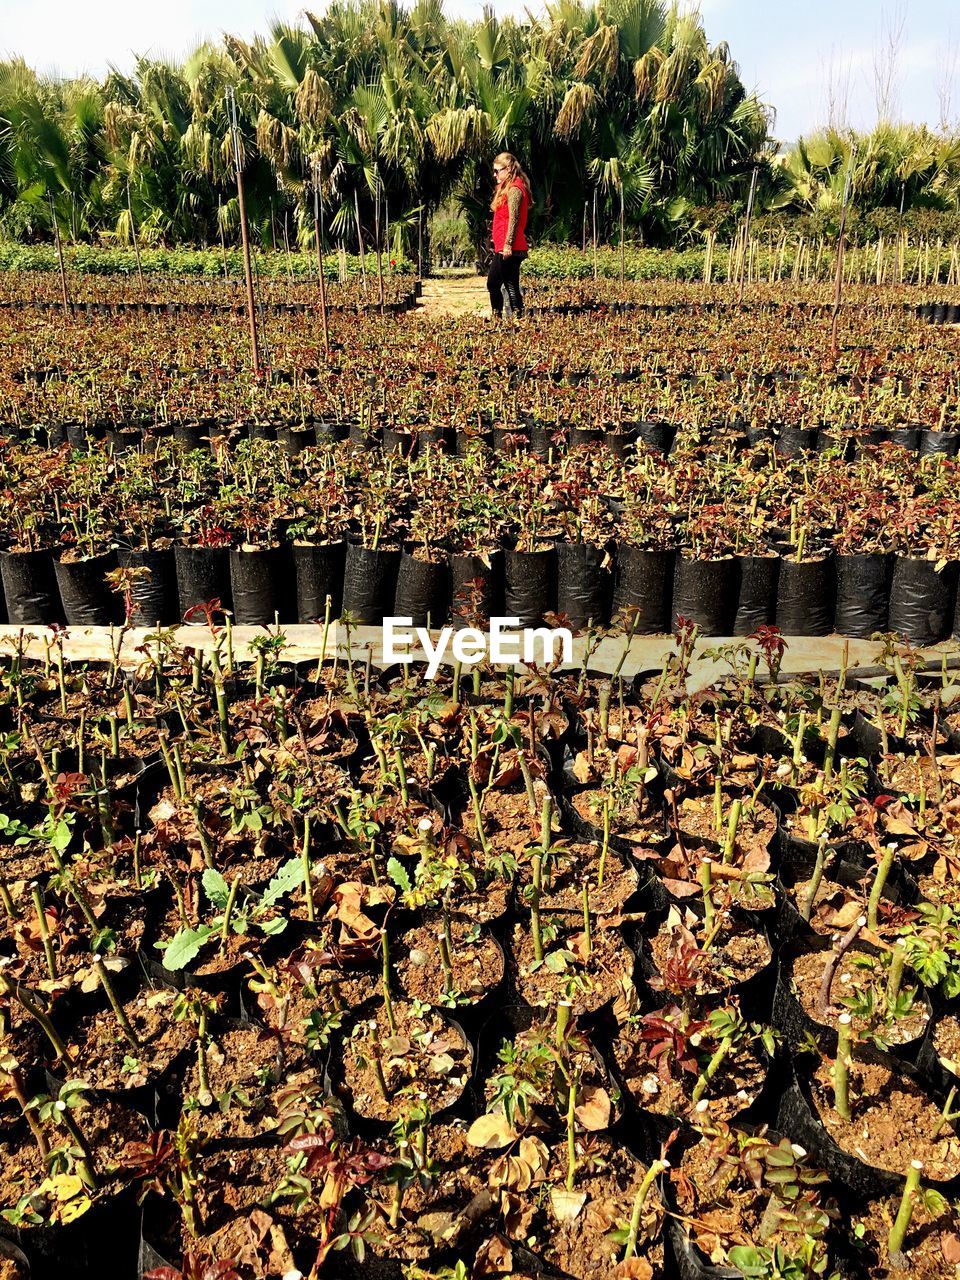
x: 422, y: 1051
x: 476, y: 962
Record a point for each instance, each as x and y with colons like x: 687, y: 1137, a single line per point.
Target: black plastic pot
x: 403, y: 443
x: 261, y: 585
x: 939, y: 442
x: 691, y: 1262
x: 30, y: 588
x: 191, y: 435
x: 294, y: 440
x: 643, y: 583
x: 154, y: 597
x: 793, y: 440
x: 485, y: 573
x: 583, y: 584
x: 907, y: 437
x: 863, y: 594
x: 423, y: 590
x: 705, y: 591
x: 369, y: 583
x: 657, y: 435
x: 798, y: 1118
x: 318, y: 573
x: 757, y: 593
x: 203, y: 574
x: 922, y: 600
x: 806, y: 592
x: 798, y: 1027
x: 84, y: 592
x: 530, y: 584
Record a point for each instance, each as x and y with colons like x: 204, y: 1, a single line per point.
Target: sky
x: 789, y: 52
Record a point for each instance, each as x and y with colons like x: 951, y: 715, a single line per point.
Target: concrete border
x: 803, y: 653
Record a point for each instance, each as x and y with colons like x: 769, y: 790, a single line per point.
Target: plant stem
x: 732, y: 825
x: 841, y: 1069
x: 307, y: 875
x: 711, y: 1069
x: 658, y: 1167
x: 7, y: 901
x: 445, y: 961
x: 898, y: 1232
x: 587, y: 933
x: 44, y: 931
x: 564, y: 1010
x: 879, y: 883
x: 228, y: 909
x: 706, y: 883
x: 813, y: 888
x: 898, y: 958
x: 385, y: 983
x: 606, y: 842
x: 536, y: 863
x: 85, y: 1163
x: 125, y: 1025
x: 376, y: 1063
x: 833, y: 732
x: 204, y: 1097
x: 571, y: 1131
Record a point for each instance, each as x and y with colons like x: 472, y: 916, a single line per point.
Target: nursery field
x: 315, y: 967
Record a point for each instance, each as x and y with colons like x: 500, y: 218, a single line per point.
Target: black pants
x: 504, y: 277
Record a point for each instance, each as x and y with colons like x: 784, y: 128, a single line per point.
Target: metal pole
x: 360, y: 246
x: 746, y: 235
x: 318, y: 233
x: 63, y: 271
x: 247, y: 269
x: 376, y: 233
x: 841, y: 246
x: 622, y: 226
x: 133, y: 236
x: 594, y: 233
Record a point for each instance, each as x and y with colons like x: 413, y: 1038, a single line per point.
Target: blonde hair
x: 514, y: 174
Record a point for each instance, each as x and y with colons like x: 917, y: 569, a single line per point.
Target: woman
x: 511, y: 203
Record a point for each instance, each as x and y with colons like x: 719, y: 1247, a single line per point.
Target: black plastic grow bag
x: 30, y: 587
x: 863, y: 594
x: 318, y: 572
x: 922, y: 600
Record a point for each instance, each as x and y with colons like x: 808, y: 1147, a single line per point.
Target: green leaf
x: 287, y: 878
x: 272, y: 927
x: 184, y: 946
x: 215, y: 887
x: 399, y: 875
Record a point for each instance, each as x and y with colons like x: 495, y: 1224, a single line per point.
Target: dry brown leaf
x: 593, y: 1113
x: 567, y: 1205
x: 633, y: 1269
x: 491, y: 1131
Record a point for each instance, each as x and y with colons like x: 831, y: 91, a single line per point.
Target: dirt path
x: 463, y: 294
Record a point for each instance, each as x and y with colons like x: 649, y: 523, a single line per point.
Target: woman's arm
x: 514, y: 201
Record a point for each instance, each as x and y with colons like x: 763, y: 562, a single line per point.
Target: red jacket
x: 501, y: 217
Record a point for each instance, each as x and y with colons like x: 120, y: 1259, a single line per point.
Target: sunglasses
x: 499, y: 168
